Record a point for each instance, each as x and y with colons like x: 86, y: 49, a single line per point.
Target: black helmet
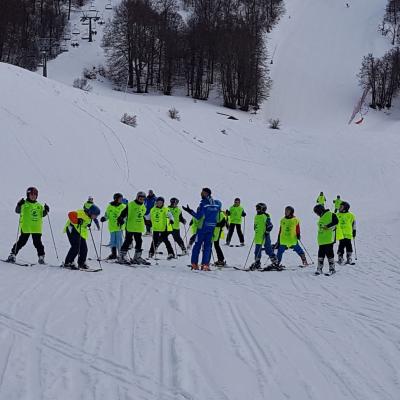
x: 290, y: 208
x: 117, y: 196
x: 345, y: 205
x: 160, y: 199
x: 32, y: 190
x: 174, y: 200
x: 261, y: 207
x: 319, y: 209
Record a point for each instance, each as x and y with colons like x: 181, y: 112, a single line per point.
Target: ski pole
x: 355, y: 248
x: 101, y: 238
x: 248, y: 254
x: 14, y: 249
x: 186, y: 232
x: 244, y: 226
x: 304, y: 247
x: 52, y: 236
x: 95, y: 248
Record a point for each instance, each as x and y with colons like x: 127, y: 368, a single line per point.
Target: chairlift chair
x: 108, y: 6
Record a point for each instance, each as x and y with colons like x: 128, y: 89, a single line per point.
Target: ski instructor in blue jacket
x: 206, y: 214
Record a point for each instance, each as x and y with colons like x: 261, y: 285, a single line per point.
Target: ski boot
x: 319, y: 266
x: 340, y: 259
x: 84, y: 266
x: 304, y: 260
x: 227, y: 243
x: 331, y: 262
x: 41, y: 260
x: 70, y: 266
x: 170, y: 256
x: 11, y: 258
x: 205, y: 267
x: 113, y: 255
x: 349, y: 258
x: 184, y: 251
x: 242, y: 244
x: 123, y: 259
x: 138, y: 260
x: 256, y: 265
x: 220, y: 263
x: 195, y: 266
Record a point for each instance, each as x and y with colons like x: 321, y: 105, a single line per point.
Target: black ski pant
x: 218, y: 250
x: 129, y: 236
x: 238, y: 230
x: 78, y: 247
x: 326, y: 250
x: 345, y: 244
x: 158, y: 238
x: 148, y: 226
x: 176, y: 234
x: 23, y: 239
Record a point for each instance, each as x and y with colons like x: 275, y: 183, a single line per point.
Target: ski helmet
x: 141, y: 194
x: 290, y: 209
x: 32, y: 190
x: 160, y: 199
x: 117, y: 196
x: 261, y: 207
x: 319, y: 209
x: 207, y: 190
x: 237, y: 200
x: 174, y: 200
x: 90, y: 199
x: 93, y: 210
x: 345, y: 206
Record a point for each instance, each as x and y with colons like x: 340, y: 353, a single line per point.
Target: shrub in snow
x: 274, y: 123
x: 174, y: 114
x: 102, y: 71
x: 129, y: 120
x: 81, y: 83
x: 90, y: 73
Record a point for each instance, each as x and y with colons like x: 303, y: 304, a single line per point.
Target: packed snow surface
x: 166, y: 332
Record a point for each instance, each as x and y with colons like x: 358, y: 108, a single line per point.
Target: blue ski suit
x: 207, y: 214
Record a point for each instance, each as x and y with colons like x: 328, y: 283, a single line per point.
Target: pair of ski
x: 330, y: 273
x: 28, y: 264
x: 22, y: 263
x: 266, y: 269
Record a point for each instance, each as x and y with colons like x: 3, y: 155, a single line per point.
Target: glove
x: 103, y: 219
x: 187, y: 209
x: 46, y: 208
x: 191, y: 222
x: 228, y: 213
x: 354, y: 234
x: 80, y: 221
x: 298, y: 237
x: 171, y: 222
x: 120, y: 221
x: 183, y: 221
x: 243, y: 214
x: 21, y: 203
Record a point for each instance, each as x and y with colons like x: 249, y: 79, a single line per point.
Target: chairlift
x: 67, y: 36
x: 92, y: 7
x: 85, y: 21
x: 76, y: 31
x: 63, y: 48
x: 108, y: 6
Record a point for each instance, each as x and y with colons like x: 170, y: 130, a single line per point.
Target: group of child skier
x: 129, y: 220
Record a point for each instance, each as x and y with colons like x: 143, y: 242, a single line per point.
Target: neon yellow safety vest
x: 112, y: 214
x: 337, y: 203
x: 218, y: 231
x: 135, y: 221
x: 260, y: 225
x: 31, y: 217
x: 176, y: 213
x: 288, y: 235
x: 195, y: 224
x: 235, y: 214
x: 83, y: 228
x: 159, y: 219
x: 325, y: 235
x: 321, y: 200
x: 345, y: 226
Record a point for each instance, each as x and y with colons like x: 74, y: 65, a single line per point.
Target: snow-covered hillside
x: 169, y: 333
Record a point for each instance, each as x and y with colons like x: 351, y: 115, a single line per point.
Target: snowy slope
x: 169, y: 333
x: 318, y: 50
